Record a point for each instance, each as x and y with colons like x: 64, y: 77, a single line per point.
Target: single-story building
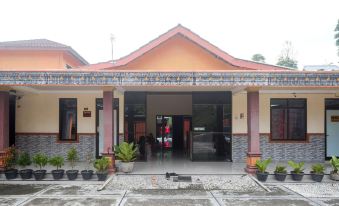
x: 178, y: 93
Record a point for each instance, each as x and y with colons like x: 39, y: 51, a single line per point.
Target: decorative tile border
x: 249, y: 78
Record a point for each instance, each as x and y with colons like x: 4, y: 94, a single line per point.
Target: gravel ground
x: 204, y: 182
x: 316, y: 189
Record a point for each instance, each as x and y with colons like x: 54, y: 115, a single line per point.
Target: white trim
x: 298, y: 91
x: 38, y: 91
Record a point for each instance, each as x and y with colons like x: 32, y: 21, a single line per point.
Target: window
x: 68, y: 119
x: 288, y: 119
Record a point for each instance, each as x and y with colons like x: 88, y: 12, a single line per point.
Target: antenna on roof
x: 112, y: 40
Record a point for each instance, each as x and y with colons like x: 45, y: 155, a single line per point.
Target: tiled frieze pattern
x: 314, y: 150
x: 289, y: 78
x: 48, y: 144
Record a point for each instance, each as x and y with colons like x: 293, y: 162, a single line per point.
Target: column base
x: 250, y: 162
x: 111, y: 156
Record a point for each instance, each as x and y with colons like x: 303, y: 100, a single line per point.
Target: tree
x: 286, y: 57
x: 336, y: 36
x: 258, y: 58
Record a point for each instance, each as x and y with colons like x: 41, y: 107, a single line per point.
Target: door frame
x: 115, y: 105
x: 325, y: 122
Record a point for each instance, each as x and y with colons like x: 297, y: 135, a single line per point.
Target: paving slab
x: 171, y: 193
x: 11, y: 189
x: 330, y: 202
x: 315, y: 189
x: 71, y: 201
x: 168, y: 202
x: 62, y: 190
x: 267, y: 202
x: 275, y: 191
x: 4, y: 201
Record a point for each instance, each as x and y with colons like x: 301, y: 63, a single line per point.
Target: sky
x: 239, y: 27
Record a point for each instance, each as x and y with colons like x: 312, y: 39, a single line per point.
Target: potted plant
x: 280, y: 173
x: 102, y: 165
x: 72, y: 157
x: 317, y: 173
x: 87, y: 173
x: 58, y: 162
x: 334, y: 175
x: 24, y: 160
x: 40, y: 160
x: 297, y: 172
x: 262, y: 166
x: 9, y: 163
x: 127, y: 155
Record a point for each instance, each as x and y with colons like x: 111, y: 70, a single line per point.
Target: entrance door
x: 332, y: 133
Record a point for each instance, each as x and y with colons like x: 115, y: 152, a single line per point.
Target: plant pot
x: 280, y: 176
x: 102, y: 175
x: 58, y: 174
x: 72, y: 174
x: 262, y: 176
x: 126, y: 167
x: 317, y: 177
x: 11, y: 174
x: 297, y: 176
x: 39, y: 174
x: 87, y: 174
x: 334, y: 176
x: 26, y: 174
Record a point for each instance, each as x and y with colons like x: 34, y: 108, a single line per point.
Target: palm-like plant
x: 318, y: 168
x: 102, y: 164
x: 262, y: 164
x: 297, y: 167
x: 280, y: 169
x: 335, y: 164
x: 127, y: 152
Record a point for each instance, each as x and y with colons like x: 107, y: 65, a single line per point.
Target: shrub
x: 57, y: 161
x: 262, y: 165
x: 335, y: 164
x: 9, y: 161
x: 127, y: 152
x: 318, y: 168
x: 101, y: 165
x: 24, y: 159
x: 72, y: 156
x: 40, y: 160
x: 280, y: 169
x: 297, y: 167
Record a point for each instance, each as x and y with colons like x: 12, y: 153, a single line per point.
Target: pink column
x: 4, y: 120
x: 108, y: 127
x: 253, y: 153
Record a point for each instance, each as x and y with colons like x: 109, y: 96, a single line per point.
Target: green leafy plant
x: 318, y: 168
x: 24, y: 159
x: 72, y: 156
x: 127, y: 152
x: 40, y: 160
x: 262, y: 165
x: 57, y: 161
x: 335, y: 164
x: 116, y: 150
x: 102, y: 165
x: 297, y: 167
x: 280, y: 169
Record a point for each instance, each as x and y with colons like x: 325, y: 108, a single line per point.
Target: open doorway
x: 172, y: 136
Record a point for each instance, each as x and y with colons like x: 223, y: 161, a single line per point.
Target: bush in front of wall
x: 280, y: 173
x: 72, y: 157
x: 297, y: 172
x: 9, y: 163
x: 23, y: 161
x: 58, y: 162
x: 317, y: 173
x: 40, y: 160
x: 262, y: 166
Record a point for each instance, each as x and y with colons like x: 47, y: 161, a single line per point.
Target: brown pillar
x: 108, y: 126
x: 253, y: 153
x: 4, y: 120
